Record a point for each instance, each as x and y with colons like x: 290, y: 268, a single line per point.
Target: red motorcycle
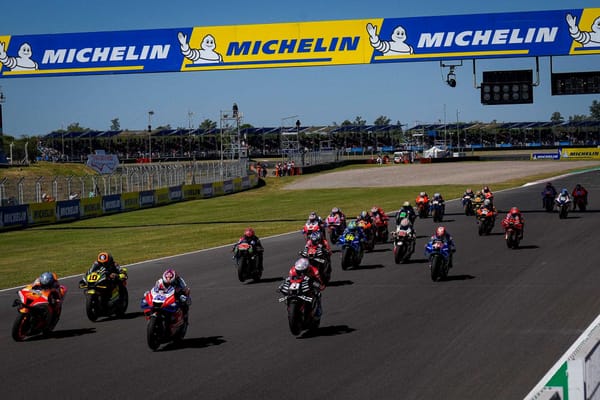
x: 335, y: 226
x: 302, y: 297
x: 485, y: 219
x: 167, y: 321
x: 579, y: 200
x: 382, y: 233
x: 512, y: 233
x: 39, y: 312
x: 320, y: 258
x: 310, y: 227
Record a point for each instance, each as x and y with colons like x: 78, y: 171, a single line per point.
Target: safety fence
x: 127, y: 178
x: 38, y: 213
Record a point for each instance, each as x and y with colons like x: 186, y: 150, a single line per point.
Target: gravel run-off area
x: 468, y: 173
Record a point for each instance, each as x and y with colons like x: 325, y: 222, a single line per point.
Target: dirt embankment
x: 487, y: 172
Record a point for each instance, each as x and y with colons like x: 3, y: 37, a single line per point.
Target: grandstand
x: 198, y: 144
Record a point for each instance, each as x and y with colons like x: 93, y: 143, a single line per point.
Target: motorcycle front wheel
x: 295, y: 317
x: 346, y: 258
x: 399, y: 253
x: 436, y: 268
x: 21, y: 327
x: 241, y: 269
x: 92, y: 308
x: 153, y: 333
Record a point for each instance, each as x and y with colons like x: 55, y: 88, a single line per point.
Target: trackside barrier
x: 576, y: 376
x: 25, y: 215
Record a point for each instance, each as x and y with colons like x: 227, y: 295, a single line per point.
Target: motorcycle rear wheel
x: 123, y: 302
x: 21, y: 327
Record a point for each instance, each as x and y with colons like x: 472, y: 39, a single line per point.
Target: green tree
x: 207, y: 124
x: 115, y: 125
x: 556, y: 117
x: 382, y: 121
x: 577, y: 118
x: 595, y: 110
x: 359, y: 121
x: 75, y: 127
x: 346, y: 123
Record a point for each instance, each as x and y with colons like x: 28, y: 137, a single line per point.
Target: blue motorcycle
x: 438, y: 253
x: 437, y: 210
x: 352, y: 250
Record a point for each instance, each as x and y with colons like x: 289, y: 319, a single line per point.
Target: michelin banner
x: 366, y: 41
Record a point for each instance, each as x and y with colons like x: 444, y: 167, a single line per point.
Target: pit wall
x: 28, y: 215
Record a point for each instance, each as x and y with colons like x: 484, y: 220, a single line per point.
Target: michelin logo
x: 585, y: 38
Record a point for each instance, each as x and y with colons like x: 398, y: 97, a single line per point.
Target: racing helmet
x: 249, y: 232
x: 374, y: 209
x: 469, y: 191
x: 104, y: 258
x: 486, y: 189
x: 406, y: 204
x: 335, y: 210
x: 514, y: 211
x: 548, y: 184
x: 436, y: 195
x: 47, y: 279
x: 487, y: 203
x: 422, y: 194
x: 301, y: 265
x: 316, y: 237
x: 404, y: 224
x: 578, y: 186
x: 351, y: 225
x: 312, y: 216
x: 440, y: 231
x: 564, y: 192
x: 169, y: 276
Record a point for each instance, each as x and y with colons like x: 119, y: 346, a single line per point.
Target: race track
x: 491, y: 331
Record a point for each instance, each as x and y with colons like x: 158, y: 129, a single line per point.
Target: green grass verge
x: 70, y: 248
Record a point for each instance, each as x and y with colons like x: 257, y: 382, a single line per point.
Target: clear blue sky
x: 318, y: 95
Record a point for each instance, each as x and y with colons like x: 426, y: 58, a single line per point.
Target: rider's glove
x: 183, y: 298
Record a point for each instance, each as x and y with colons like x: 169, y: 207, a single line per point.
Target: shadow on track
x: 265, y: 280
x: 380, y: 250
x: 327, y: 331
x: 340, y: 283
x: 372, y: 266
x: 65, y: 333
x: 458, y: 277
x: 129, y: 315
x: 527, y: 247
x: 194, y: 343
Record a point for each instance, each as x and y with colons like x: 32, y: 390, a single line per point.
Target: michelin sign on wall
x: 320, y: 43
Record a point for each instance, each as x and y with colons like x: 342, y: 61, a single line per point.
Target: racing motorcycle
x: 468, y: 205
x: 423, y: 209
x: 319, y: 258
x: 310, y: 227
x: 405, y: 214
x: 438, y: 253
x: 352, y: 250
x: 335, y: 226
x: 369, y: 231
x: 301, y: 296
x: 512, y: 232
x: 247, y: 262
x: 167, y: 320
x: 39, y: 311
x: 104, y: 298
x: 404, y: 246
x: 485, y: 219
x: 563, y: 204
x: 548, y: 200
x: 579, y: 201
x: 437, y: 210
x: 380, y: 229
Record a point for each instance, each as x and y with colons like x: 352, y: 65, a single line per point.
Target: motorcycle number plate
x: 349, y: 237
x: 294, y: 286
x: 159, y: 297
x: 93, y: 277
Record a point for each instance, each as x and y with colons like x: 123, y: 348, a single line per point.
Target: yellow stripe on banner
x: 446, y: 55
x: 71, y: 70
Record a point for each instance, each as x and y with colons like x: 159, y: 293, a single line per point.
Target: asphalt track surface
x: 491, y: 331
